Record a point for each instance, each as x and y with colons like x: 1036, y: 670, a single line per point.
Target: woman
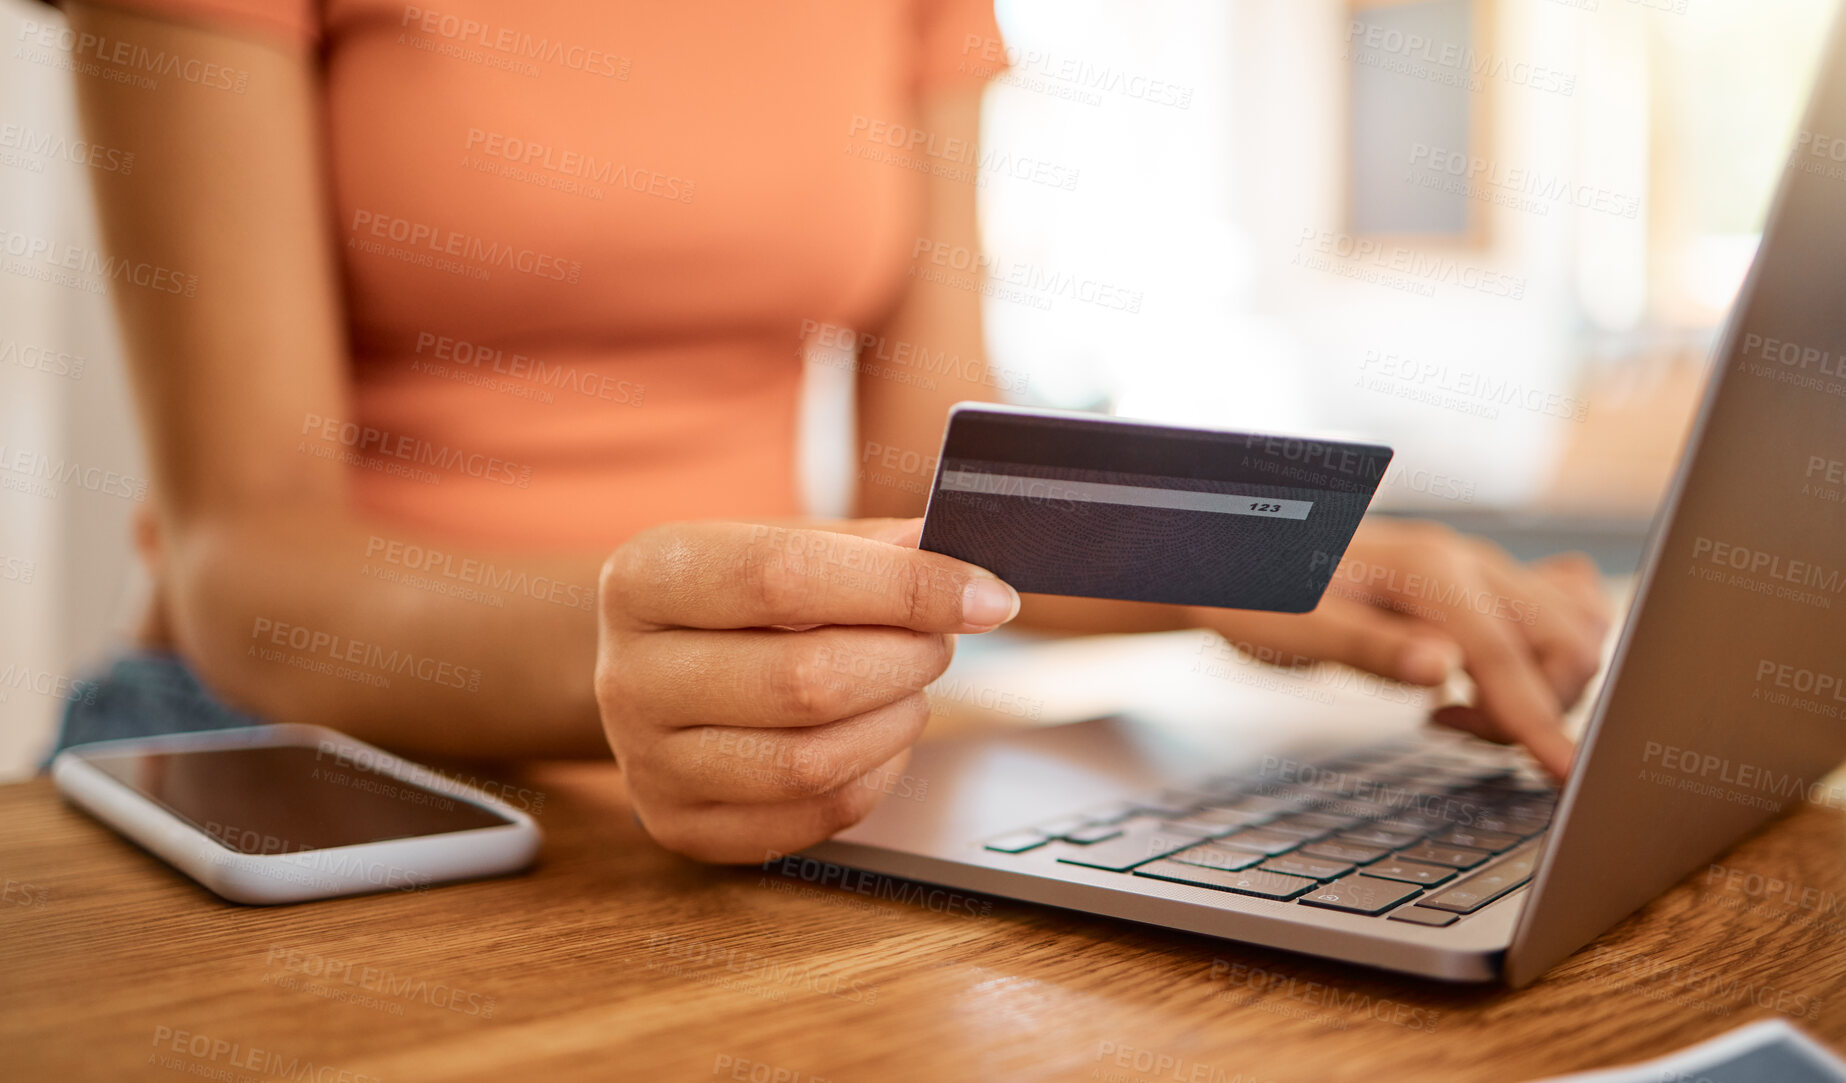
x: 486, y: 295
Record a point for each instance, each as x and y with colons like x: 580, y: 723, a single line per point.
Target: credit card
x: 1083, y: 504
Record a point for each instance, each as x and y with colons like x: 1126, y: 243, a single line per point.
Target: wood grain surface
x: 617, y: 960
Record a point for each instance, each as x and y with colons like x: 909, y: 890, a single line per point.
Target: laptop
x: 1439, y: 855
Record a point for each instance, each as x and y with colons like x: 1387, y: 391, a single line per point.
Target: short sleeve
x: 290, y: 22
x: 958, y: 44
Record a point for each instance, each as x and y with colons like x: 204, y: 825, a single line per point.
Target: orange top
x: 580, y: 240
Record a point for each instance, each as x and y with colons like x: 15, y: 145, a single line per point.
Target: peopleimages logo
x: 1477, y: 393
x: 88, y: 269
x: 411, y: 449
x: 874, y: 886
x: 1476, y: 170
x: 208, y: 1051
x: 479, y: 573
x: 984, y: 161
x: 1068, y: 76
x: 1794, y: 355
x: 39, y: 144
x: 478, y: 251
x: 918, y: 364
x: 21, y: 678
x: 1445, y: 62
x: 1693, y: 765
x: 1397, y: 266
x: 759, y: 968
x: 529, y: 377
x: 95, y: 479
x: 1756, y: 561
x: 1024, y: 282
x: 1266, y: 982
x: 134, y: 57
x: 372, y: 979
x: 36, y: 358
x: 515, y: 43
x: 337, y: 648
x: 584, y: 166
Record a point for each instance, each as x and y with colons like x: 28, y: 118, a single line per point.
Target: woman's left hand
x: 1414, y: 600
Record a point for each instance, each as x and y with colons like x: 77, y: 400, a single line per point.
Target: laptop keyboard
x: 1422, y: 832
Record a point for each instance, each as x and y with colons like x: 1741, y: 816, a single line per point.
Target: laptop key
x: 1198, y: 830
x: 1290, y: 825
x: 1094, y: 833
x: 1174, y: 802
x: 1113, y: 813
x: 1455, y: 857
x: 1017, y: 843
x: 1378, y: 836
x: 1325, y: 819
x: 1253, y: 803
x: 1296, y: 864
x: 1484, y: 887
x: 1360, y: 895
x: 1415, y: 824
x: 1511, y: 825
x: 1423, y: 915
x: 1355, y: 811
x: 1261, y: 840
x: 1410, y: 872
x: 1339, y: 850
x: 1056, y: 828
x: 1264, y: 885
x: 1154, y: 806
x: 1134, y: 846
x: 1228, y: 819
x: 1216, y: 857
x: 1492, y: 841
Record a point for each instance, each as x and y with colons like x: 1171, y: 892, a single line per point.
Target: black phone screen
x: 280, y: 799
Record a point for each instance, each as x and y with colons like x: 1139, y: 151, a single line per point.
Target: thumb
x: 904, y: 532
x: 1347, y: 632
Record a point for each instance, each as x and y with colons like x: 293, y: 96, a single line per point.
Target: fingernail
x: 1428, y: 661
x: 987, y: 602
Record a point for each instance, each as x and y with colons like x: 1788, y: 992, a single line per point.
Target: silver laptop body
x: 1725, y: 701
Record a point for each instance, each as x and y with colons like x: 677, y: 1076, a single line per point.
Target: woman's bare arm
x: 260, y: 564
x: 929, y: 354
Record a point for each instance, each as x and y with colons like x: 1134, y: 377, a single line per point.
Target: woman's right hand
x: 761, y: 685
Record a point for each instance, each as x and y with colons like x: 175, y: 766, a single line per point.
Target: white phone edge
x: 300, y: 876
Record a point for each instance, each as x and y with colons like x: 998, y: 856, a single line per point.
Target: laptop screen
x: 1727, y: 700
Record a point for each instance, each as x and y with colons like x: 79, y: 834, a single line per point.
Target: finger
x: 1472, y: 720
x: 763, y: 678
x: 745, y: 765
x: 1581, y: 581
x: 905, y: 532
x: 741, y: 575
x: 1568, y: 646
x: 757, y: 834
x: 1342, y: 630
x: 1475, y: 721
x: 1511, y: 689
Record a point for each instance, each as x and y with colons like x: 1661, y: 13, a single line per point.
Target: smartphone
x: 288, y: 813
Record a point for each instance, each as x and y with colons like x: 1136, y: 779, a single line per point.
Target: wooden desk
x: 615, y: 960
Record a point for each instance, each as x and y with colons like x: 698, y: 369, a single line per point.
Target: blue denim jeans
x: 144, y: 694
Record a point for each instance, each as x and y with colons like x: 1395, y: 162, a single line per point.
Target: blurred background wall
x: 67, y: 584
x: 1496, y: 234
